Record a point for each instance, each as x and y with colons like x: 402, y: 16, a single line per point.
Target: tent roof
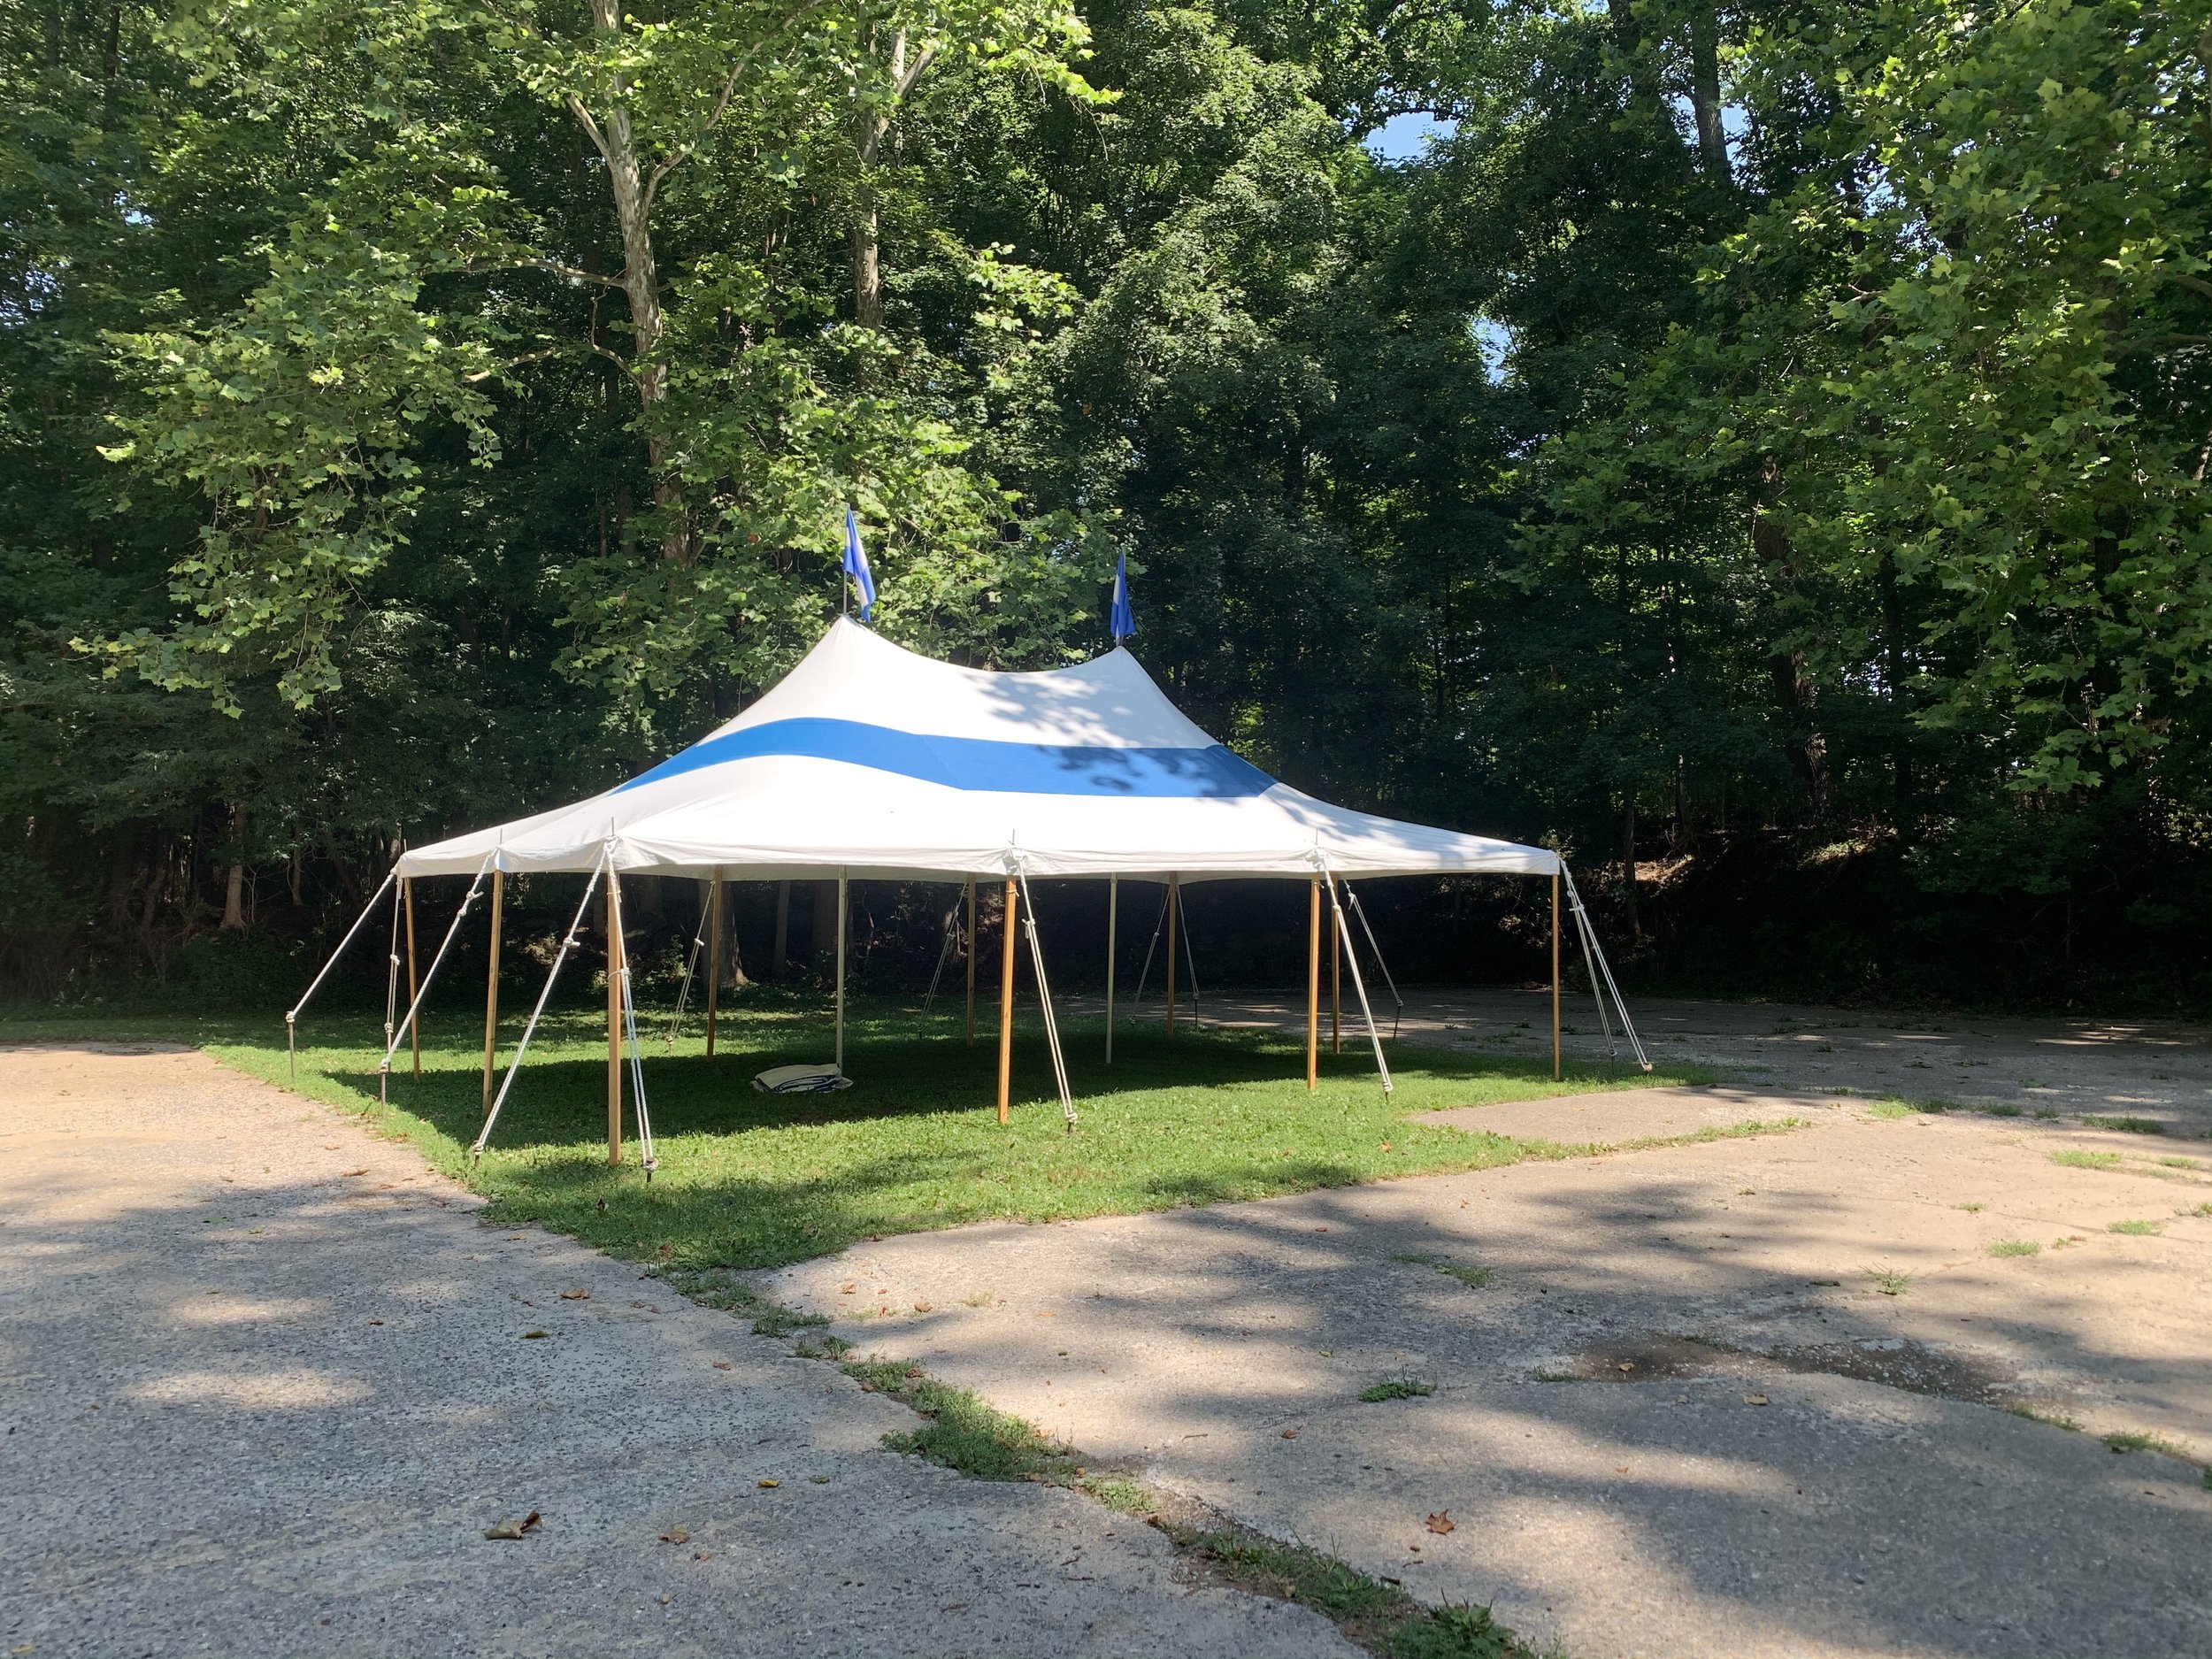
x: 869, y: 761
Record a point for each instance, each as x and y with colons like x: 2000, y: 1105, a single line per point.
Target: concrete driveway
x: 265, y: 1382
x: 1752, y: 1398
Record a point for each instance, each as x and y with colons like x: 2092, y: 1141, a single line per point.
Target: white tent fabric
x: 868, y: 761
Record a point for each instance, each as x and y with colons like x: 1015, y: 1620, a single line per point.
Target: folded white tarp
x: 868, y: 761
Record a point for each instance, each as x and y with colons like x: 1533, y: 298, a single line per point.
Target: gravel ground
x: 2158, y: 1071
x: 265, y: 1382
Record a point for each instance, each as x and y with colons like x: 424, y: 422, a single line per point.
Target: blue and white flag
x: 1123, y: 621
x: 857, y: 566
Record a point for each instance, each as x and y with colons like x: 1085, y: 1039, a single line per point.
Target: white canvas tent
x: 870, y: 762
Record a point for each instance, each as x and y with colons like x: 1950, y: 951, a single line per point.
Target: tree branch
x: 921, y: 64
x: 682, y: 152
x: 591, y: 127
x: 515, y: 363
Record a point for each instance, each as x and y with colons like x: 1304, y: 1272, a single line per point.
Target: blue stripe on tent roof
x: 973, y: 762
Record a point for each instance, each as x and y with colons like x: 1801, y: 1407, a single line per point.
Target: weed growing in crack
x: 1397, y: 1388
x: 1473, y: 1277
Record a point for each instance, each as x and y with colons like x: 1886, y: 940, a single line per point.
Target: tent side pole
x: 391, y: 1005
x: 491, y: 987
x: 1313, y: 986
x: 1174, y: 892
x: 970, y: 948
x: 1006, y: 1008
x: 1113, y: 919
x: 1336, y: 986
x: 780, y: 955
x: 839, y: 1059
x: 1556, y: 1072
x: 530, y: 1026
x: 614, y: 1021
x: 414, y: 1032
x: 714, y: 954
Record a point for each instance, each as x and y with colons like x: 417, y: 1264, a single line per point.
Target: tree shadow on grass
x: 558, y: 1102
x: 747, y: 1178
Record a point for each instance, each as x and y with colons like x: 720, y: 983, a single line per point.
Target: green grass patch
x: 1380, y: 1617
x: 1900, y: 1106
x: 963, y: 1431
x: 1890, y: 1283
x: 2138, y: 1229
x: 2127, y: 1125
x: 2135, y: 1441
x: 1473, y: 1277
x: 746, y: 1179
x: 2087, y: 1160
x: 1397, y: 1388
x: 2055, y: 1420
x: 2016, y: 1247
x: 2178, y: 1163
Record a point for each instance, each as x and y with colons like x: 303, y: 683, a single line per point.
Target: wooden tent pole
x: 714, y: 954
x: 1313, y: 986
x: 491, y: 988
x: 414, y: 1026
x: 1113, y: 919
x: 842, y: 929
x: 972, y: 942
x: 1174, y: 892
x: 614, y: 1021
x: 1336, y: 989
x: 1006, y: 1008
x: 1555, y: 977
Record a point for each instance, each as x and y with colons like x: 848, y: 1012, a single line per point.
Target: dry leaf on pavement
x: 1442, y: 1522
x: 512, y: 1529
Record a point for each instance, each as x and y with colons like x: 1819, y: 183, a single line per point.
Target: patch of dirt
x: 1893, y: 1362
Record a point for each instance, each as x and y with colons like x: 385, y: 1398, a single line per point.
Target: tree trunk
x: 1628, y: 865
x: 1712, y: 141
x: 641, y: 286
x: 867, y: 262
x: 234, y: 889
x: 867, y: 231
x: 1793, y: 692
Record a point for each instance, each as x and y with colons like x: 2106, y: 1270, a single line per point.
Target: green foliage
x: 411, y: 418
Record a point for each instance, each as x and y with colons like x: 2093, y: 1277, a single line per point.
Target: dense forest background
x: 1760, y: 449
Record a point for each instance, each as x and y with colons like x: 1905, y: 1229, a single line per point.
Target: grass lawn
x: 747, y: 1179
